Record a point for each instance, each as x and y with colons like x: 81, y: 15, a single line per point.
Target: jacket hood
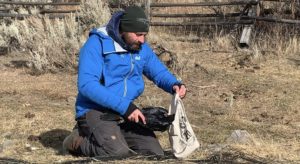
x: 109, y: 33
x: 112, y: 29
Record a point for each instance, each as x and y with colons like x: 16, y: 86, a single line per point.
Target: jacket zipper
x: 125, y: 79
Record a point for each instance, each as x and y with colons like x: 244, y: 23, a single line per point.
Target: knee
x: 121, y: 151
x: 110, y: 149
x: 116, y: 147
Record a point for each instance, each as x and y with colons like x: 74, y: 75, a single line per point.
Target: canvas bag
x: 181, y: 135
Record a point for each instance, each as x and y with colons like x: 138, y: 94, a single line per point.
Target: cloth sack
x: 181, y: 135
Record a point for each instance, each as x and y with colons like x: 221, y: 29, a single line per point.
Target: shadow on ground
x: 220, y: 157
x: 54, y: 139
x: 233, y: 158
x: 11, y: 160
x: 116, y: 159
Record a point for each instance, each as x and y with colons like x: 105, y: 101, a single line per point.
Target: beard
x: 131, y: 44
x: 136, y: 46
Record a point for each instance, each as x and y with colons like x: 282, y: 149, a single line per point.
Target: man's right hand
x: 136, y: 115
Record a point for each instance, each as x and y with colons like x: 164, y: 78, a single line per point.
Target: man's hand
x: 180, y: 90
x: 136, y: 115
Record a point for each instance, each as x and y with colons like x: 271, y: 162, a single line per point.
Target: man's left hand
x: 180, y: 90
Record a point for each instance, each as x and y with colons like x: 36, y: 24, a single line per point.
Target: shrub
x: 53, y: 44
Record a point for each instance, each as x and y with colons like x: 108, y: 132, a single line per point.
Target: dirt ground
x: 226, y: 92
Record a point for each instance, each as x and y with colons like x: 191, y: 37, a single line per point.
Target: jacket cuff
x: 178, y: 84
x: 130, y: 109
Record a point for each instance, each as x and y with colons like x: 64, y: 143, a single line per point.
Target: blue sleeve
x: 156, y: 71
x: 89, y: 75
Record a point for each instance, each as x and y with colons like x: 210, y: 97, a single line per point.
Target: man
x: 111, y: 65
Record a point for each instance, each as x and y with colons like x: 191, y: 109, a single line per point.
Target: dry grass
x: 54, y: 45
x: 256, y: 90
x: 229, y: 88
x: 52, y: 114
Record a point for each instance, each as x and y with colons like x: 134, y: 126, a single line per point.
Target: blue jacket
x: 110, y: 77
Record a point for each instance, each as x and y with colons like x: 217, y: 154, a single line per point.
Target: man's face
x: 134, y: 39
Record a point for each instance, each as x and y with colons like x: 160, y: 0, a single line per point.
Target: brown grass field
x: 255, y: 89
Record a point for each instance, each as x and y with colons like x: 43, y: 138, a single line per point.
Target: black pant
x: 104, y: 135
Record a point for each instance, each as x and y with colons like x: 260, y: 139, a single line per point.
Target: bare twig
x: 203, y: 87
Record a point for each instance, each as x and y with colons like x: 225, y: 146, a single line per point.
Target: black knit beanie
x: 134, y: 19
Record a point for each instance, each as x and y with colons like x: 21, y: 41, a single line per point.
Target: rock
x: 29, y: 115
x: 216, y: 147
x: 26, y: 105
x: 31, y: 148
x: 6, y: 144
x: 240, y: 137
x: 7, y: 135
x: 71, y: 100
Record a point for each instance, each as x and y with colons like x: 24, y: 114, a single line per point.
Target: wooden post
x: 148, y: 8
x: 246, y: 34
